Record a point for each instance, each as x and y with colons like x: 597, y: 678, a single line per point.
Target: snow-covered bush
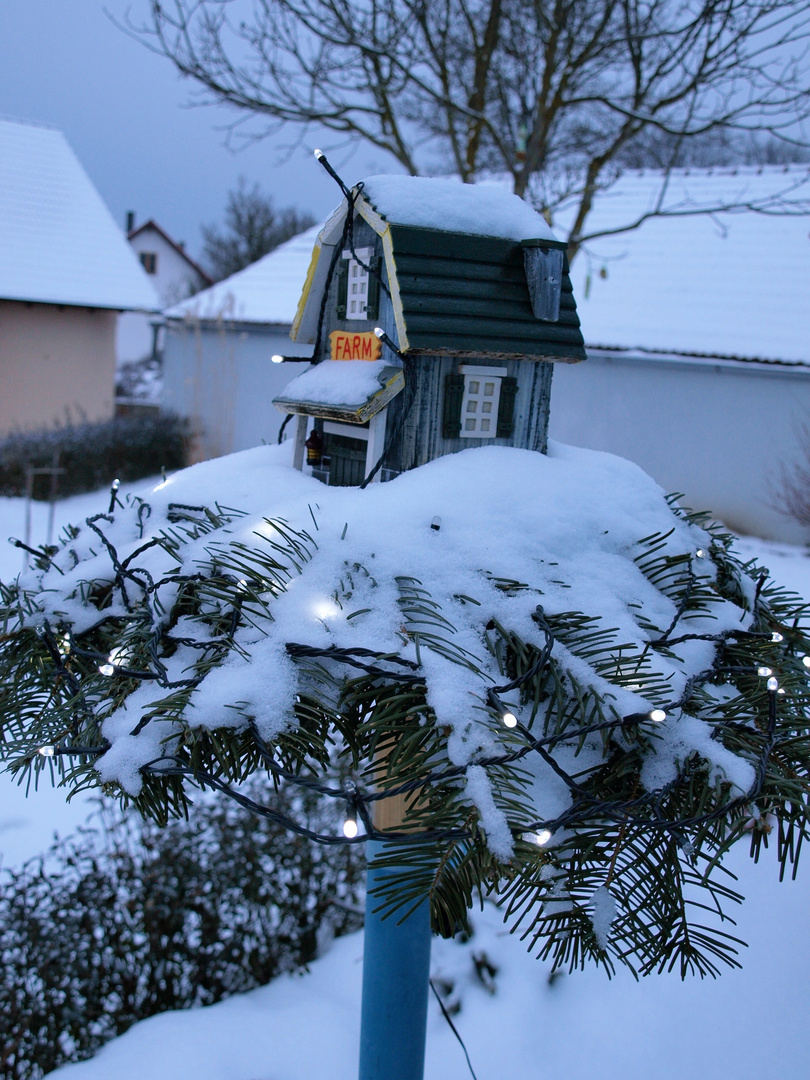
x: 92, y: 454
x: 126, y: 920
x: 584, y: 695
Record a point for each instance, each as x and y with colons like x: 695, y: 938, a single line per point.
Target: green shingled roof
x: 453, y: 292
x: 468, y: 294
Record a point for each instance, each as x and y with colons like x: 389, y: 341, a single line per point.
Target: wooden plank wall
x: 364, y: 236
x: 421, y: 439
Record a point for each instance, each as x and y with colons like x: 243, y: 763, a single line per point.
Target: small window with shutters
x: 479, y: 403
x: 358, y: 285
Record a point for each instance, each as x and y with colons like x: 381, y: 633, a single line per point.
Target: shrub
x: 94, y: 454
x: 118, y: 924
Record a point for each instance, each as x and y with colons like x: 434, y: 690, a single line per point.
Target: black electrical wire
x: 585, y: 806
x: 453, y: 1028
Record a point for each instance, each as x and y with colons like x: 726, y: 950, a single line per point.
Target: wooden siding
x: 421, y: 438
x: 364, y: 237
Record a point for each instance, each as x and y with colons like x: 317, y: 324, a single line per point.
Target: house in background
x: 174, y: 275
x: 698, y: 340
x: 66, y: 271
x: 217, y: 360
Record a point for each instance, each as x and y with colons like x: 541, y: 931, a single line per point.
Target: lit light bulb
x: 773, y: 685
x: 776, y: 636
x: 106, y: 669
x: 764, y: 671
x: 325, y: 609
x: 658, y: 715
x: 542, y: 837
x: 781, y: 690
x: 46, y: 751
x: 350, y: 828
x: 509, y: 720
x: 806, y: 661
x: 277, y: 358
x: 700, y: 553
x: 318, y: 154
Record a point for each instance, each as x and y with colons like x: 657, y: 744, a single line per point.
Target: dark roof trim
x: 643, y: 351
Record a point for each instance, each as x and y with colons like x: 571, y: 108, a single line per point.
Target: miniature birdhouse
x: 435, y: 311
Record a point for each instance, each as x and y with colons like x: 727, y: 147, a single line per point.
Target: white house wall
x: 223, y: 379
x: 174, y: 280
x: 717, y: 433
x: 135, y: 336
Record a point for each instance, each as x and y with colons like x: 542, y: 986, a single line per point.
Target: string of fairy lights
x: 358, y: 799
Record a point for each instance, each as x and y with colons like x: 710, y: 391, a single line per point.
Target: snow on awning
x: 348, y: 390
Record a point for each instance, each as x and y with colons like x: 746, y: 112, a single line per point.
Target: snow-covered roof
x: 446, y: 232
x: 266, y: 292
x: 351, y: 390
x: 450, y: 206
x: 59, y: 244
x: 730, y: 284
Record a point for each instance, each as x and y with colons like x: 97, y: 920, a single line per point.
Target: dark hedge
x: 127, y: 920
x: 94, y: 454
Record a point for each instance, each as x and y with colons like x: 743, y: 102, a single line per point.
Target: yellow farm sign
x: 347, y: 346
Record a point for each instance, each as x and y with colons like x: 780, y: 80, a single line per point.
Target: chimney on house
x: 130, y: 221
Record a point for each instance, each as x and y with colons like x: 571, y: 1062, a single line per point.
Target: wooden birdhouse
x: 435, y: 310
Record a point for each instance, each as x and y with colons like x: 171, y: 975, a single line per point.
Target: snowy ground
x: 749, y: 1024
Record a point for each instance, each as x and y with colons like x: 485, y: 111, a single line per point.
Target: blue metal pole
x: 396, y: 973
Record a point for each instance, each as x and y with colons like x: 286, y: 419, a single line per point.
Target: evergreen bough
x: 620, y: 870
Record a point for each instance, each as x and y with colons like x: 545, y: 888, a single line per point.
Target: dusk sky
x: 124, y: 112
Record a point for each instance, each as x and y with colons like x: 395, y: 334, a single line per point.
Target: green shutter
x: 373, y: 302
x: 342, y: 287
x: 453, y: 393
x: 506, y: 408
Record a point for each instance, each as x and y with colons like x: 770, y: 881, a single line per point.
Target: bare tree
x: 253, y: 227
x: 555, y: 93
x: 791, y: 495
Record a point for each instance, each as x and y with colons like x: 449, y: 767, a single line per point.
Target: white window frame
x: 482, y: 391
x: 357, y: 284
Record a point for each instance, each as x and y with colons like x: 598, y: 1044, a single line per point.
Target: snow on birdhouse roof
x: 450, y: 206
x: 59, y: 244
x: 441, y: 227
x: 732, y: 284
x: 351, y: 390
x: 266, y: 292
